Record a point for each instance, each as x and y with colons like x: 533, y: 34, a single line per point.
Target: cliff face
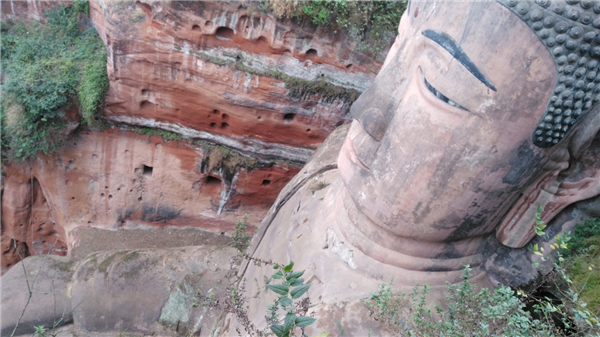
x: 222, y: 72
x: 118, y: 179
x: 27, y: 223
x: 267, y: 90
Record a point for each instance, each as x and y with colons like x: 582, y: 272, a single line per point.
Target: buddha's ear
x: 571, y: 175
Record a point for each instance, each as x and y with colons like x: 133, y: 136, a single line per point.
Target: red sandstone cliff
x: 218, y: 71
x: 201, y: 69
x: 119, y: 179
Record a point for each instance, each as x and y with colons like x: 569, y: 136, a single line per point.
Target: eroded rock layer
x: 120, y: 179
x: 266, y: 91
x: 223, y: 72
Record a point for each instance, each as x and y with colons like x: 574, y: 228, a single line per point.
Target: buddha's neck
x: 407, y: 253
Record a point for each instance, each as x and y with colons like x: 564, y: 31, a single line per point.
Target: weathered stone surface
x: 48, y: 278
x: 426, y: 181
x: 91, y: 240
x: 438, y: 170
x: 27, y: 223
x: 119, y: 179
x: 154, y: 292
x: 150, y: 291
x: 213, y: 70
x: 29, y: 10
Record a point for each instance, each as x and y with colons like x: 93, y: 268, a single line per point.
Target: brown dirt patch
x: 94, y: 240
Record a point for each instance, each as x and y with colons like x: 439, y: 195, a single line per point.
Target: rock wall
x: 120, y: 179
x: 222, y: 72
x: 29, y: 228
x: 267, y: 91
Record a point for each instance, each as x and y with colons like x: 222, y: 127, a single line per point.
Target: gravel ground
x: 93, y: 239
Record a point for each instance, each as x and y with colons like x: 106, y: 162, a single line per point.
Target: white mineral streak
x: 242, y: 144
x: 289, y: 66
x: 226, y: 192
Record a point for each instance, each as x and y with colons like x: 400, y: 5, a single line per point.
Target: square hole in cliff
x: 266, y: 182
x: 288, y: 118
x: 147, y: 170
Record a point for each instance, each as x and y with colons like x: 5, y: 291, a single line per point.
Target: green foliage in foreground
x: 48, y: 67
x: 583, y: 263
x: 501, y: 312
x: 583, y: 237
x: 290, y: 288
x: 40, y: 331
x: 469, y: 312
x: 372, y: 24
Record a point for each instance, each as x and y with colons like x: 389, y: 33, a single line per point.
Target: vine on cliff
x: 48, y: 68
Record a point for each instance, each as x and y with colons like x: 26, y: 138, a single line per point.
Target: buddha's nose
x: 373, y: 122
x: 374, y: 108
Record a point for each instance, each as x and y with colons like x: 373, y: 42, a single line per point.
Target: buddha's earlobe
x: 562, y: 184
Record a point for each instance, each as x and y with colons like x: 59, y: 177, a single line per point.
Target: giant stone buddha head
x: 476, y: 118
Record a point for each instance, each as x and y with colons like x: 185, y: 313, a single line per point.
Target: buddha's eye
x: 441, y: 96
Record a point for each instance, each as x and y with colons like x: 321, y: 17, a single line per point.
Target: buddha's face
x: 441, y: 146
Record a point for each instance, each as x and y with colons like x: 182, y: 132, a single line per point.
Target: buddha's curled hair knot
x: 571, y: 32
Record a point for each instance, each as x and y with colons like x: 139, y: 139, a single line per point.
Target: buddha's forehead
x: 483, y: 29
x: 486, y: 31
x: 568, y: 31
x: 506, y: 54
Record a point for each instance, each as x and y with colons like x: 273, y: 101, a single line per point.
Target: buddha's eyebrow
x: 451, y: 46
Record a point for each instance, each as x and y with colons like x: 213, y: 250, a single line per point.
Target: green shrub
x: 582, y: 260
x: 48, y: 68
x: 40, y: 331
x: 289, y: 310
x: 81, y: 6
x: 241, y: 238
x: 372, y: 24
x: 470, y: 312
x: 502, y: 312
x: 583, y: 236
x: 290, y: 288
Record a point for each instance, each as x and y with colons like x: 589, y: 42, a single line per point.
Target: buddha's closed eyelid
x: 441, y: 96
x: 452, y: 47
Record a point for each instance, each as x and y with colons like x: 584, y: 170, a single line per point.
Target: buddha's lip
x: 353, y: 155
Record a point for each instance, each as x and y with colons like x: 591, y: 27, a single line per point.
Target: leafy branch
x: 291, y: 288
